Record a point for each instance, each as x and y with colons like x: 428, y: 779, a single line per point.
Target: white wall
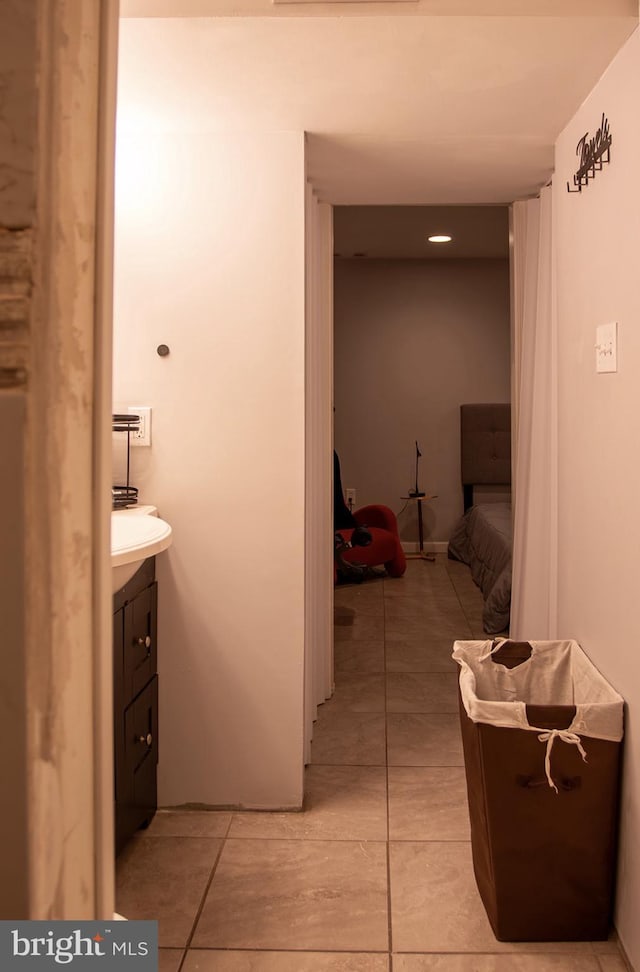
x: 415, y: 339
x: 598, y: 242
x: 210, y: 261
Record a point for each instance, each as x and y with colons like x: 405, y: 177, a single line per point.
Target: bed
x: 483, y: 536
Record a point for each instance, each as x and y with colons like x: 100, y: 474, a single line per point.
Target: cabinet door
x: 137, y: 805
x: 140, y: 641
x: 141, y: 744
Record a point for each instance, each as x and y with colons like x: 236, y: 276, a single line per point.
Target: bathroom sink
x: 135, y: 535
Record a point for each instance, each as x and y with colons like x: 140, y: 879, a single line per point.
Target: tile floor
x: 375, y: 874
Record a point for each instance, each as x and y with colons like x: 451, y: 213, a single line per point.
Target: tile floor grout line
x: 386, y: 754
x: 462, y: 607
x: 200, y: 909
x: 313, y: 840
x: 515, y: 951
x: 389, y: 904
x: 335, y: 765
x: 293, y: 951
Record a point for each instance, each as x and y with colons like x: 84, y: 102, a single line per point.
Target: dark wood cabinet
x: 135, y: 698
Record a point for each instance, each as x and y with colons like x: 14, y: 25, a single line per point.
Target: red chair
x: 385, y: 547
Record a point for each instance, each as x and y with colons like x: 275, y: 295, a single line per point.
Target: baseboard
x: 625, y: 957
x: 430, y: 546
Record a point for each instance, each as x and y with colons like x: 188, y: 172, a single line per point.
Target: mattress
x: 483, y: 539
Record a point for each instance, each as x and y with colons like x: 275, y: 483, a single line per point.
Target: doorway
x: 421, y: 328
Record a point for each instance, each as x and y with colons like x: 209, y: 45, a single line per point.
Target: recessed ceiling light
x: 440, y: 239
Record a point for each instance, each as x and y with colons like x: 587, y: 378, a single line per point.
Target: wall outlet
x: 142, y: 435
x: 351, y: 498
x: 607, y: 347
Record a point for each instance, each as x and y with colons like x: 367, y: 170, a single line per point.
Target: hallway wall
x: 598, y: 242
x: 415, y: 339
x: 210, y: 261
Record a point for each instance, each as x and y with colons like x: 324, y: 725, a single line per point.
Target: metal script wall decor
x: 593, y: 153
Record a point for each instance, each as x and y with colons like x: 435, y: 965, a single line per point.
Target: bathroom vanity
x: 135, y: 700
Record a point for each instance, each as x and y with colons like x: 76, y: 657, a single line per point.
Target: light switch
x: 607, y: 347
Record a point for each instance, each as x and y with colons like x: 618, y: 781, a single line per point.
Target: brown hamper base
x: 544, y: 862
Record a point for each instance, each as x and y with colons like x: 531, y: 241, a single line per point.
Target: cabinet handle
x: 148, y: 739
x: 145, y: 642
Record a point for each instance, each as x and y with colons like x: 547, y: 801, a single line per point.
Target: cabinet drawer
x: 140, y: 641
x: 136, y: 787
x: 141, y: 730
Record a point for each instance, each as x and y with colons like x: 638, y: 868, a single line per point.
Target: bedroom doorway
x: 427, y: 325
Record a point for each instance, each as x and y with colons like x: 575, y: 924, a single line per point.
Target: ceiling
x: 402, y: 105
x: 400, y: 232
x: 427, y: 8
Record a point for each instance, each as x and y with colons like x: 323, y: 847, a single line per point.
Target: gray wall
x: 414, y: 339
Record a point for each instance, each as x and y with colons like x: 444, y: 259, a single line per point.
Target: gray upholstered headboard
x: 485, y: 441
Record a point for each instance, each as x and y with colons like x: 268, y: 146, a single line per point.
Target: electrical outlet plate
x: 607, y: 347
x: 142, y: 435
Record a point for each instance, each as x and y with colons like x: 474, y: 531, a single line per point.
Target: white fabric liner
x: 556, y: 673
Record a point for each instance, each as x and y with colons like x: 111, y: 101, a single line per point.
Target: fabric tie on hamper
x: 549, y: 736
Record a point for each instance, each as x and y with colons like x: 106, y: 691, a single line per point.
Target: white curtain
x: 535, y: 416
x: 318, y: 462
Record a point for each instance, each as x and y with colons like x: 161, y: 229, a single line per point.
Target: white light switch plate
x: 607, y: 347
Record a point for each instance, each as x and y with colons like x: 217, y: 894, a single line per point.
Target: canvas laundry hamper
x: 541, y: 732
